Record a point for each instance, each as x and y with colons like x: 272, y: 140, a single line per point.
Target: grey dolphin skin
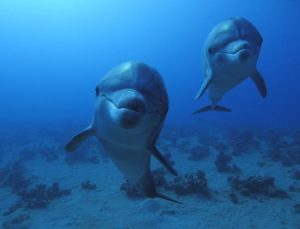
x: 230, y: 56
x: 130, y: 109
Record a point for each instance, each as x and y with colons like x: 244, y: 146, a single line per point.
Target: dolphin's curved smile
x: 129, y: 112
x: 133, y: 105
x: 236, y: 49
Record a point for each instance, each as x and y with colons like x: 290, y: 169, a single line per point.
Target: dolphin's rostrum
x: 230, y: 56
x: 130, y: 109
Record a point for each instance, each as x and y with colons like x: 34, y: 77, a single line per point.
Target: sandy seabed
x: 107, y: 206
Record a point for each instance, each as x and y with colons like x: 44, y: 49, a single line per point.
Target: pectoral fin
x: 159, y: 195
x: 78, y: 138
x: 163, y: 160
x: 260, y: 83
x: 207, y: 81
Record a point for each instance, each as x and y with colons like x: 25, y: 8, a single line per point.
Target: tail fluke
x: 212, y: 108
x: 162, y: 196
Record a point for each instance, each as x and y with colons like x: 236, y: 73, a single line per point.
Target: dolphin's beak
x: 243, y: 45
x: 130, y: 107
x: 243, y: 50
x: 236, y: 46
x: 130, y: 113
x: 134, y: 104
x: 239, y: 48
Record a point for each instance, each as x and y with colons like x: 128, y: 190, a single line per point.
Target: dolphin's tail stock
x: 162, y: 196
x: 212, y: 108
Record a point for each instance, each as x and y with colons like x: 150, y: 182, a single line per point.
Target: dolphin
x: 230, y: 55
x: 131, y: 106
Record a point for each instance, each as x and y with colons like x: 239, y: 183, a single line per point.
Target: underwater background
x: 52, y: 55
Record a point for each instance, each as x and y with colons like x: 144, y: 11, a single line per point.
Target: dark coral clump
x: 242, y: 142
x: 20, y: 221
x: 190, y: 184
x: 284, y: 151
x: 223, y: 165
x: 87, y: 185
x: 233, y: 197
x: 296, y: 174
x: 13, y: 208
x: 130, y: 190
x: 221, y: 147
x: 257, y: 186
x: 37, y: 198
x: 13, y: 176
x: 41, y: 195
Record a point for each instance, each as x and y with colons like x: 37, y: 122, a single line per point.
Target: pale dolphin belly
x: 134, y: 162
x: 222, y: 84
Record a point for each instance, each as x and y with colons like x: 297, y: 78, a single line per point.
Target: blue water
x: 54, y: 52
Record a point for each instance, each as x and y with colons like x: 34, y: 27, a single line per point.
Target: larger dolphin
x: 130, y: 109
x: 230, y: 56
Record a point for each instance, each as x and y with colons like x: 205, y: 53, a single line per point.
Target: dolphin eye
x: 97, y: 91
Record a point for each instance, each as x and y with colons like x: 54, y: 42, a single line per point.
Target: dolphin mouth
x: 129, y: 112
x: 237, y: 51
x: 241, y: 50
x: 237, y: 48
x: 135, y: 106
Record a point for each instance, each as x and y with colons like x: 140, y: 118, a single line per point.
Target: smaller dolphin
x: 230, y: 56
x: 131, y: 105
